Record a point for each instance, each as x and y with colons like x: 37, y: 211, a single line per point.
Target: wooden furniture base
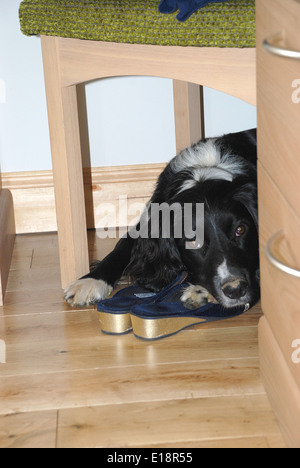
x: 279, y: 211
x: 280, y: 385
x: 7, y: 238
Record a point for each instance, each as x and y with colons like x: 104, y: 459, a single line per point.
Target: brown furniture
x: 278, y: 70
x: 7, y: 237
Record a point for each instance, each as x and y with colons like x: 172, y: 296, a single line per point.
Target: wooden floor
x: 65, y: 384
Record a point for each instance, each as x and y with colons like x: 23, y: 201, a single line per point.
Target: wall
x: 130, y: 119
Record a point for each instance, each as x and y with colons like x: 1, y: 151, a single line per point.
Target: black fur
x: 155, y: 262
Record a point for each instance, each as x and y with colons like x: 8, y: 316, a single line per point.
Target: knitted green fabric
x: 228, y: 24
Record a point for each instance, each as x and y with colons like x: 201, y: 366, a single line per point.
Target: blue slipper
x: 114, y: 312
x: 169, y: 316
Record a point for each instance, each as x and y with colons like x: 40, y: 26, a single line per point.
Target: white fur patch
x: 224, y: 274
x: 205, y: 173
x: 222, y: 271
x: 86, y: 292
x: 205, y: 161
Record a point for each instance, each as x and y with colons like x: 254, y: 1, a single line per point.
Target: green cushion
x: 228, y: 24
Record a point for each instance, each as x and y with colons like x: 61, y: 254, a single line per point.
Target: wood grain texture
x: 280, y: 292
x: 65, y: 383
x: 151, y: 421
x: 34, y: 198
x: 189, y: 113
x: 28, y: 430
x: 67, y: 167
x: 88, y: 60
x: 278, y: 152
x: 7, y: 238
x: 130, y: 384
x: 278, y: 113
x: 280, y: 384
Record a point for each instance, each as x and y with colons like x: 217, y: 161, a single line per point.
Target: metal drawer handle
x: 269, y: 45
x: 274, y: 261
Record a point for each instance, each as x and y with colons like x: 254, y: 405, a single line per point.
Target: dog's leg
x: 196, y: 296
x: 98, y: 284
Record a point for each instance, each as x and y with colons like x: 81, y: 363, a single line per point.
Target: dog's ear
x: 154, y: 262
x: 247, y: 195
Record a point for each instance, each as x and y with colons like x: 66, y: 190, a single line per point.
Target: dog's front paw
x: 195, y: 296
x: 86, y: 292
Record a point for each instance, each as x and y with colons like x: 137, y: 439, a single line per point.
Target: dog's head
x: 226, y: 263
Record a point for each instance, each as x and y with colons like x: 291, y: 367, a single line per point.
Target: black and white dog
x: 219, y: 173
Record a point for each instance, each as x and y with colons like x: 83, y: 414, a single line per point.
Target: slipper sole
x: 115, y: 324
x: 156, y: 329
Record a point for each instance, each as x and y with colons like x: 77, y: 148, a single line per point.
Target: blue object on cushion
x: 186, y: 7
x: 168, y: 6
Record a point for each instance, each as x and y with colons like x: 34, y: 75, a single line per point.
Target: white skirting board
x: 105, y: 191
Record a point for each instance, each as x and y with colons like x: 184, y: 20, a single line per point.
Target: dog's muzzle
x: 235, y: 289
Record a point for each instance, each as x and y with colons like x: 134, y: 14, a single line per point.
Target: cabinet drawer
x: 278, y: 88
x: 283, y: 392
x: 280, y: 292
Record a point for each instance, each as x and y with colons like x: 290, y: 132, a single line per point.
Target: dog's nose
x: 235, y: 289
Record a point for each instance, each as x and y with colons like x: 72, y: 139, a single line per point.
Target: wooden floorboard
x: 66, y: 384
x: 175, y: 421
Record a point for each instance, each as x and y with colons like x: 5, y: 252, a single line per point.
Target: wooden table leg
x: 67, y: 167
x: 189, y: 114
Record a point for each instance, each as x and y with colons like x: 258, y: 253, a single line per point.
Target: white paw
x: 86, y: 292
x: 196, y: 296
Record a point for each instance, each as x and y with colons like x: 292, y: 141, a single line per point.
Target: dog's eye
x: 193, y: 245
x: 240, y: 230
